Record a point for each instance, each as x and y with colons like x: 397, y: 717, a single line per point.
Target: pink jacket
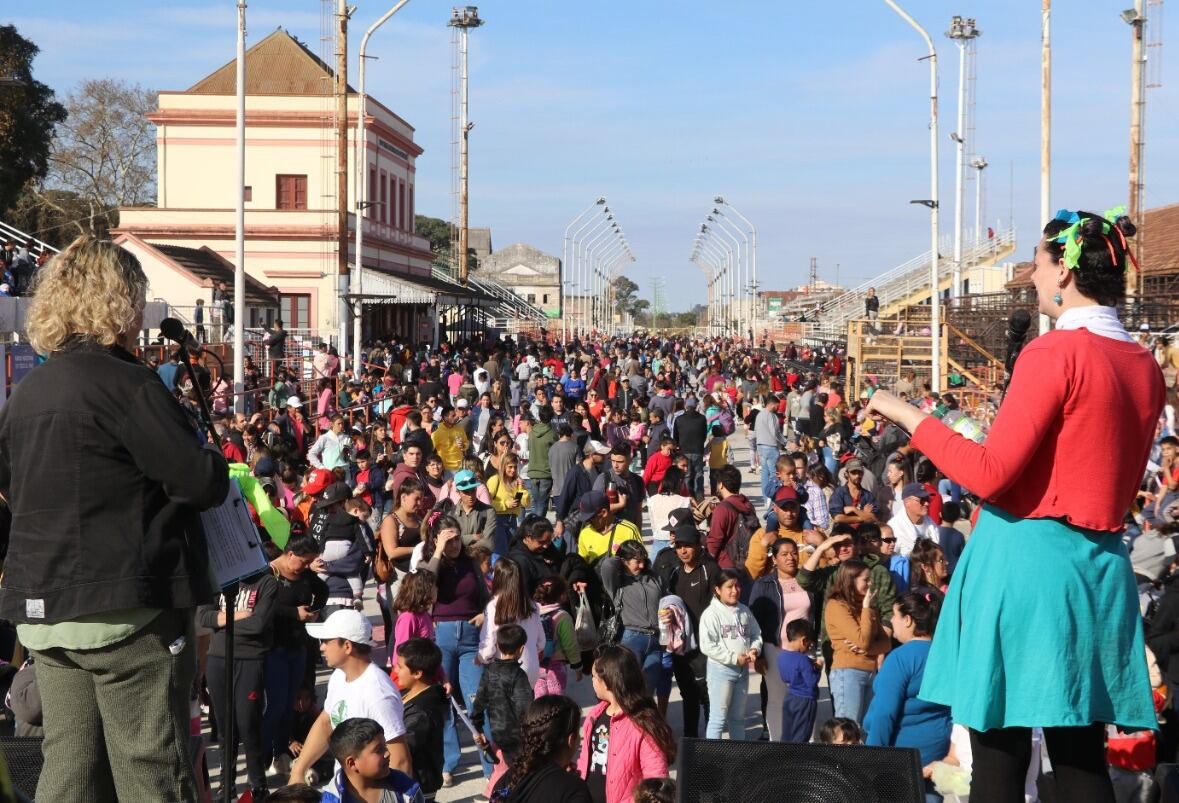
x: 633, y: 755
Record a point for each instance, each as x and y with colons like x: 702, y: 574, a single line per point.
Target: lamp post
x: 1045, y: 123
x: 733, y: 251
x: 934, y: 295
x: 604, y: 262
x: 735, y: 276
x: 362, y: 191
x: 723, y: 260
x: 980, y: 164
x: 720, y: 201
x: 589, y: 228
x: 963, y: 32
x: 239, y: 218
x: 1137, y: 22
x: 586, y: 259
x: 742, y: 308
x: 601, y: 201
x: 719, y: 262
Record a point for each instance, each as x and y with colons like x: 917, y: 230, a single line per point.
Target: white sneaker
x: 281, y: 766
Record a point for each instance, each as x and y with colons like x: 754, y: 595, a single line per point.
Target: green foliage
x: 438, y: 232
x: 29, y: 115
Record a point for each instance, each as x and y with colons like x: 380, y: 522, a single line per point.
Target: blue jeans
x: 851, y: 691
x: 650, y: 654
x: 283, y: 676
x: 726, y: 700
x: 540, y: 490
x: 505, y: 530
x: 768, y: 455
x: 695, y: 473
x: 459, y: 643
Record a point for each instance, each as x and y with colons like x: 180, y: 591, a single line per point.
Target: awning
x: 383, y: 288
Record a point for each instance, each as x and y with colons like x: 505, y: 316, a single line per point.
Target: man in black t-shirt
x: 275, y: 341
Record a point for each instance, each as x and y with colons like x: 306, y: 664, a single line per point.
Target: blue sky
x: 810, y: 118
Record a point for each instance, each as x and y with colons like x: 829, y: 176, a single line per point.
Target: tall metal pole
x: 343, y: 310
x: 239, y: 193
x: 979, y: 164
x: 753, y: 263
x: 361, y: 189
x: 723, y: 260
x: 1045, y: 123
x: 963, y: 32
x: 587, y: 265
x: 580, y: 253
x: 742, y: 310
x: 464, y: 155
x: 935, y: 318
x: 592, y: 225
x: 565, y: 265
x: 1137, y: 114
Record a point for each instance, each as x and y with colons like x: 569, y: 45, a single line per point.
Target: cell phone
x: 519, y: 495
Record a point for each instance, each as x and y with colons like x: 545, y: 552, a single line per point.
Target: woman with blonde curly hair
x: 107, y: 560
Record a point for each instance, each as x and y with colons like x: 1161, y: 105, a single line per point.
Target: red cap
x: 785, y: 494
x: 317, y: 480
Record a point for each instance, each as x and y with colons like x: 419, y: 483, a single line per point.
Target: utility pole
x: 1137, y: 22
x: 344, y: 311
x: 1045, y: 123
x: 464, y: 19
x: 963, y: 32
x: 239, y: 199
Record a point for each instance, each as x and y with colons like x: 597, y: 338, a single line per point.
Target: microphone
x: 1017, y: 332
x: 174, y: 330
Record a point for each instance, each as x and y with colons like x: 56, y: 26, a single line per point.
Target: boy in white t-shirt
x: 357, y: 688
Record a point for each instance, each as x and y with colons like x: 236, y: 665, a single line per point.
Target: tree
x: 626, y: 296
x: 105, y: 153
x: 439, y: 233
x: 52, y: 216
x: 29, y: 115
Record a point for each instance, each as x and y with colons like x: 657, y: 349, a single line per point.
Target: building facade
x: 529, y: 273
x: 291, y: 189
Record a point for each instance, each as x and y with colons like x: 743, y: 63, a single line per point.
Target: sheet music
x: 235, y: 547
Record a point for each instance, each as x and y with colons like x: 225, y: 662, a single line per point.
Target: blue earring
x: 1057, y: 299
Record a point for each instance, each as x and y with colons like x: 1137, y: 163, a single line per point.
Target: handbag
x: 610, y: 631
x: 584, y: 629
x: 383, y: 569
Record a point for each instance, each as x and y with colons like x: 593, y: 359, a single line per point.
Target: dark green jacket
x: 540, y: 439
x: 819, y: 582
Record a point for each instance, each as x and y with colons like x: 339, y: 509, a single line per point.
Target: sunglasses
x: 888, y: 540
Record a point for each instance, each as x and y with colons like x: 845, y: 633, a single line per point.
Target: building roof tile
x: 278, y: 65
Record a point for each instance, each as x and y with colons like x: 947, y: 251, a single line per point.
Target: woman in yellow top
x: 510, y: 499
x: 719, y: 454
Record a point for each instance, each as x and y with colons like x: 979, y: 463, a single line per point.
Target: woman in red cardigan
x: 1041, y: 626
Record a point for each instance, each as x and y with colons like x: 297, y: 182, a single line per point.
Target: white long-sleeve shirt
x: 533, y: 648
x: 330, y: 450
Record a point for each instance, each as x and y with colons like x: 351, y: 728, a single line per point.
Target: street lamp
x: 362, y: 192
x: 592, y: 225
x: 963, y: 32
x: 587, y: 249
x: 934, y: 312
x: 735, y: 276
x: 734, y: 261
x: 717, y: 260
x: 980, y: 164
x: 723, y: 258
x: 743, y: 281
x: 720, y: 201
x: 601, y: 201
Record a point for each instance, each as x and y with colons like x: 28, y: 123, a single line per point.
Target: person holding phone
x: 510, y: 499
x: 623, y: 488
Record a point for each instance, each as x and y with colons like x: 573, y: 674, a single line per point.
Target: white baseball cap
x: 462, y: 404
x: 294, y: 401
x: 346, y: 623
x: 595, y: 447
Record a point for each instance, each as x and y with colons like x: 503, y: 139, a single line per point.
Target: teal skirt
x: 1040, y: 628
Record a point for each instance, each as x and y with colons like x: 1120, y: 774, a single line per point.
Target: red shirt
x: 656, y: 468
x: 1072, y: 438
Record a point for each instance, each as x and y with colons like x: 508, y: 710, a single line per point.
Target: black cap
x: 685, y: 533
x: 677, y: 517
x: 335, y: 493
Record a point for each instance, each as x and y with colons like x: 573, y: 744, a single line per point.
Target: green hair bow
x: 1071, y: 236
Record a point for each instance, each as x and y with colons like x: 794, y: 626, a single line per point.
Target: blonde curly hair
x: 92, y: 289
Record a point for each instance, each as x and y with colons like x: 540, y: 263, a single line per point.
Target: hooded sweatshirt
x: 726, y: 631
x: 723, y: 527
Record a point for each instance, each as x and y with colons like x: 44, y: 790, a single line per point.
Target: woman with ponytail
x: 896, y: 716
x: 1041, y: 626
x: 624, y: 738
x: 549, y: 736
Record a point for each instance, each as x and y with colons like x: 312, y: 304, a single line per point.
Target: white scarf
x: 1097, y: 319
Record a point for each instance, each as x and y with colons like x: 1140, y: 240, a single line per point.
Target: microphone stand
x: 228, y: 737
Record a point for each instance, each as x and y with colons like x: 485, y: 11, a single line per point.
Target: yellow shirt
x: 503, y: 495
x: 451, y: 443
x: 718, y: 453
x: 592, y: 544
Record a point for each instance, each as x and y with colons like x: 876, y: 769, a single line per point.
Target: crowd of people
x: 529, y: 513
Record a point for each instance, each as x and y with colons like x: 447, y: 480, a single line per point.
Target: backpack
x: 549, y: 623
x: 725, y: 419
x: 737, y: 546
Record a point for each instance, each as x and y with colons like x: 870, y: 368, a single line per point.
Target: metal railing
x: 903, y: 281
x: 20, y: 238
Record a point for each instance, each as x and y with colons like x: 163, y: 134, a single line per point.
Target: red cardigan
x: 1072, y: 438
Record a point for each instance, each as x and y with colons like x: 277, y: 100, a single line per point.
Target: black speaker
x: 24, y: 760
x: 716, y: 771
